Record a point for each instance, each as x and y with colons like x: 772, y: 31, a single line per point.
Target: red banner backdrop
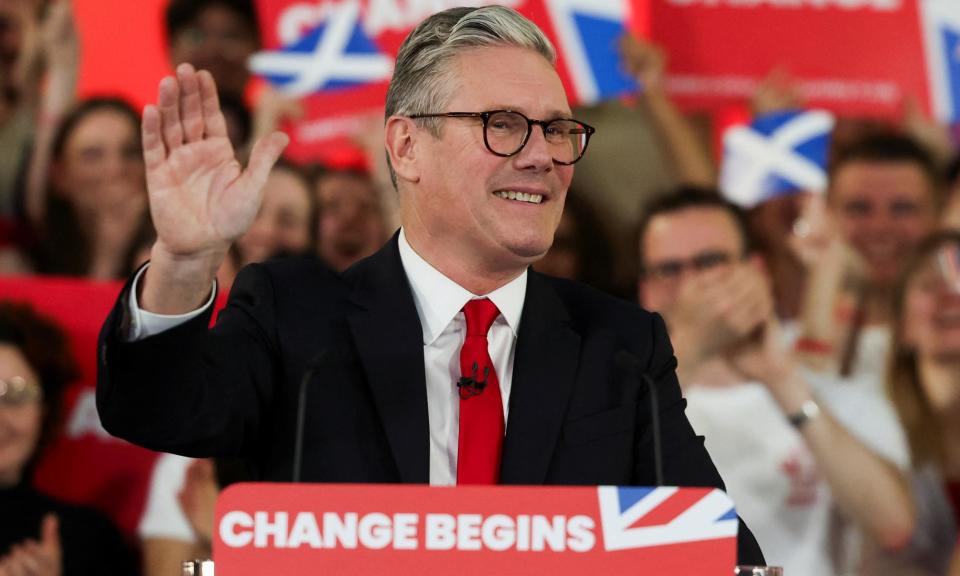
x: 333, y: 117
x: 122, y: 48
x: 85, y: 465
x: 850, y: 56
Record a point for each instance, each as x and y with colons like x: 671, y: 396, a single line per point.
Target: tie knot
x: 480, y: 315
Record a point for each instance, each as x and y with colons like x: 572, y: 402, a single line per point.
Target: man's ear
x: 401, y: 139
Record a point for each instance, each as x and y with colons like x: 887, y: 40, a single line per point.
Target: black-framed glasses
x: 671, y: 270
x: 17, y: 391
x: 506, y: 132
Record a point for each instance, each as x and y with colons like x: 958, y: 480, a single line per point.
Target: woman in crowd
x: 924, y: 383
x: 96, y: 209
x: 38, y: 535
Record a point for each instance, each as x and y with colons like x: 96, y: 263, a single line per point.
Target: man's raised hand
x: 201, y: 199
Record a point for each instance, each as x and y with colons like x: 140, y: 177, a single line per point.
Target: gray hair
x: 421, y: 82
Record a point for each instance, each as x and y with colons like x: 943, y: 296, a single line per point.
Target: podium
x: 359, y: 529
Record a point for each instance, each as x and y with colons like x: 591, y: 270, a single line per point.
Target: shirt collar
x: 439, y: 299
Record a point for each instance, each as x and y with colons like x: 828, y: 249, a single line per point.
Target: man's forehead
x: 690, y: 230
x: 529, y: 84
x: 867, y: 179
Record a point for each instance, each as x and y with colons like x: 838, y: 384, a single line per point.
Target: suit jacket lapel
x: 544, y: 371
x: 389, y: 340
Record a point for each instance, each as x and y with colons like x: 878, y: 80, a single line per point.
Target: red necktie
x: 481, y: 410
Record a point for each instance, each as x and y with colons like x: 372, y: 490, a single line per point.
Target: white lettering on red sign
x: 380, y: 15
x: 878, y: 5
x: 376, y: 531
x: 499, y: 532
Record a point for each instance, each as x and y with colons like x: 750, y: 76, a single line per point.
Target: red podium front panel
x: 358, y: 529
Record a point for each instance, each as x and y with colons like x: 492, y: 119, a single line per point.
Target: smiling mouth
x: 519, y: 196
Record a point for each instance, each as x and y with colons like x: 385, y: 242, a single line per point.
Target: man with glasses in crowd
x: 791, y: 452
x: 417, y: 363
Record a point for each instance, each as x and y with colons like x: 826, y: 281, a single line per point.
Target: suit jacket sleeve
x: 685, y: 458
x: 189, y: 390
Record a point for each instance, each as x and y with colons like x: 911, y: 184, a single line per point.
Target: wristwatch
x: 808, y: 411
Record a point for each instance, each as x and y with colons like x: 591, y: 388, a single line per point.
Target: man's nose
x: 536, y: 153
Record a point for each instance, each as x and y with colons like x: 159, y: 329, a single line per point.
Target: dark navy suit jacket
x: 579, y: 411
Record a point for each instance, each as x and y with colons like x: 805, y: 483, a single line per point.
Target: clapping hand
x: 37, y: 558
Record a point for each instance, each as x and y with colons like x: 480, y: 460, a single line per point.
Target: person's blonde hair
x: 903, y: 381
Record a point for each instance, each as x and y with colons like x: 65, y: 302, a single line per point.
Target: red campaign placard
x: 850, y: 56
x: 332, y: 117
x: 84, y: 464
x: 293, y: 529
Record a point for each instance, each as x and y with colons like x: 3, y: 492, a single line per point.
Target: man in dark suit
x: 418, y: 366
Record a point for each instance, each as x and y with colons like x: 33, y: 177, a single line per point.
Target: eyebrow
x: 553, y: 114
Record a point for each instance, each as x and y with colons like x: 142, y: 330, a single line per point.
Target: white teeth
x: 520, y: 196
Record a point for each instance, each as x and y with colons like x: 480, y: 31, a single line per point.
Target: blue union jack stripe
x: 645, y: 517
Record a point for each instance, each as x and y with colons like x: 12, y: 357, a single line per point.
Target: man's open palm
x: 200, y: 197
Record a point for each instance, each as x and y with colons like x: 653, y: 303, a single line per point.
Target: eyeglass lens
x: 16, y: 391
x: 507, y: 132
x: 672, y: 269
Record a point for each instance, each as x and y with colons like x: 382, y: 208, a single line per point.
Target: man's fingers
x: 214, y: 123
x: 168, y: 102
x: 154, y: 152
x: 262, y: 158
x: 50, y: 534
x: 29, y: 559
x: 191, y: 112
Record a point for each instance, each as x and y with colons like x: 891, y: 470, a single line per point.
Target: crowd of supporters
x: 817, y: 333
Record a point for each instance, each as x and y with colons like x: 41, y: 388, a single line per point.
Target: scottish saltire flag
x: 643, y: 517
x: 776, y: 154
x: 335, y: 54
x: 588, y: 35
x: 941, y: 27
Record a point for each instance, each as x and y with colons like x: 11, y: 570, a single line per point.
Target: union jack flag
x: 644, y: 517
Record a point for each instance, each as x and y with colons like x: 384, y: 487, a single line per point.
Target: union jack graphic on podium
x: 645, y: 517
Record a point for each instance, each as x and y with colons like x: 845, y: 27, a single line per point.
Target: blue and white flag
x: 335, y: 54
x: 588, y: 34
x: 776, y: 154
x: 941, y: 28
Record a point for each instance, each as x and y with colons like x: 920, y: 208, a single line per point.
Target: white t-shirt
x: 771, y: 475
x: 163, y: 517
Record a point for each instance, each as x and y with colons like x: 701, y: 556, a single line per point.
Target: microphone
x: 629, y: 364
x: 469, y: 386
x: 311, y: 371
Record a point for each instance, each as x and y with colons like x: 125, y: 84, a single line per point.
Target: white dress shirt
x: 439, y: 302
